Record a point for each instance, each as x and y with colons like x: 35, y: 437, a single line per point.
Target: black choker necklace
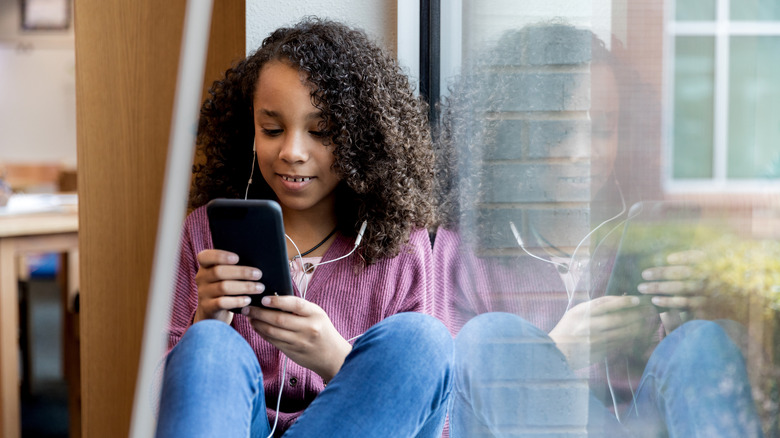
x: 317, y: 245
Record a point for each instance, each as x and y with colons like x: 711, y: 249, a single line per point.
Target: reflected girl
x: 537, y: 342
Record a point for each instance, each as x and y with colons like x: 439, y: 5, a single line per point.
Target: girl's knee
x: 702, y: 330
x: 496, y: 325
x: 416, y: 334
x: 699, y: 338
x: 212, y: 341
x: 415, y: 327
x: 209, y: 330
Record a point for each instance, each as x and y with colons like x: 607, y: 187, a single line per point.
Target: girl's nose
x: 293, y: 149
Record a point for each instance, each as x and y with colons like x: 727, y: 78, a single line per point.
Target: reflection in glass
x: 573, y: 287
x: 695, y: 10
x: 694, y: 88
x: 754, y: 107
x: 755, y: 10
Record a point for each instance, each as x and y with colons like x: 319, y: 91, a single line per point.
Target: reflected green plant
x: 737, y: 269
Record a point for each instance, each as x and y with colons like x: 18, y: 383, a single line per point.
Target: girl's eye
x: 318, y: 134
x: 272, y: 132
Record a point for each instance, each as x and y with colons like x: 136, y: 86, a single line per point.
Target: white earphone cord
x: 570, y: 294
x: 358, y: 239
x: 252, y: 172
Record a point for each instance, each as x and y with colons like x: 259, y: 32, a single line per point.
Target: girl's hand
x: 674, y: 289
x: 589, y: 331
x: 302, y: 331
x: 222, y: 285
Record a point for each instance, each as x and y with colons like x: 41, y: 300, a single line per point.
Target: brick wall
x: 536, y: 157
x: 522, y: 143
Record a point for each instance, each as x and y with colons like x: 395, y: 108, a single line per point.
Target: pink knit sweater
x: 468, y: 285
x: 354, y: 303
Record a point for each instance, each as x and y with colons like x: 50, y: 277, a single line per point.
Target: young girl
x: 334, y: 129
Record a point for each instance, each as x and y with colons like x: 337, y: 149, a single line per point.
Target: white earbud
x: 360, y: 234
x: 517, y: 234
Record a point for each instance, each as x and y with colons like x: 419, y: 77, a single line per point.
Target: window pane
x: 693, y: 107
x: 695, y: 10
x: 754, y: 108
x: 755, y: 10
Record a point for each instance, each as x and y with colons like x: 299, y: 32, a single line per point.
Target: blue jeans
x: 511, y: 380
x: 395, y: 382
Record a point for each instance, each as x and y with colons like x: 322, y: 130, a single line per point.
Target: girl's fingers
x: 678, y: 302
x: 285, y: 319
x: 237, y: 288
x: 291, y: 304
x: 685, y: 257
x: 227, y: 302
x: 674, y: 287
x: 608, y: 304
x: 212, y: 257
x: 620, y: 320
x: 272, y: 333
x: 676, y: 272
x: 281, y: 329
x: 217, y: 273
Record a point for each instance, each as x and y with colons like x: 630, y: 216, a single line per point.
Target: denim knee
x: 420, y: 334
x: 210, y: 342
x: 496, y: 325
x: 701, y: 333
x: 505, y: 346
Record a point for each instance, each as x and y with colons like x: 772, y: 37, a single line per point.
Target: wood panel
x: 127, y: 54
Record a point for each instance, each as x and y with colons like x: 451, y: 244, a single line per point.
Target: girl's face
x: 604, y: 115
x: 290, y: 151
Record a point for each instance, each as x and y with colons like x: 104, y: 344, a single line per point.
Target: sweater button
x: 293, y: 382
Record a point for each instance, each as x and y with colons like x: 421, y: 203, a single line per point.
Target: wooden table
x: 45, y: 224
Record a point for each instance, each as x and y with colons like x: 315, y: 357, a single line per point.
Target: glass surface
x: 694, y: 79
x: 754, y: 108
x: 535, y: 113
x: 755, y: 10
x: 695, y: 10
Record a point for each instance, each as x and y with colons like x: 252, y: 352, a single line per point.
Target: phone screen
x: 254, y: 230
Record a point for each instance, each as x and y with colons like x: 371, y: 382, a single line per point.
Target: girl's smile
x: 294, y: 183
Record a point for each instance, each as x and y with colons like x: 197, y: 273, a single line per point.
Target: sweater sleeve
x: 194, y: 239
x: 452, y: 277
x: 415, y: 271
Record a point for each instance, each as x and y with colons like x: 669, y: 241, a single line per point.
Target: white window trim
x: 450, y: 52
x: 408, y: 43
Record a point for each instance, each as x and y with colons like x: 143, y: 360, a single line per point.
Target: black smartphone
x: 253, y: 229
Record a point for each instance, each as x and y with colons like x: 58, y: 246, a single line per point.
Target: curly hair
x: 377, y: 126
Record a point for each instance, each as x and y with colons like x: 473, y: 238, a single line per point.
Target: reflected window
x: 724, y: 97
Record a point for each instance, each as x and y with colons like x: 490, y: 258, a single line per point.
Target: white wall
x: 37, y: 92
x: 377, y: 17
x: 37, y: 70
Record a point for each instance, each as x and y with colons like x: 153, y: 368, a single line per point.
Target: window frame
x: 721, y: 29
